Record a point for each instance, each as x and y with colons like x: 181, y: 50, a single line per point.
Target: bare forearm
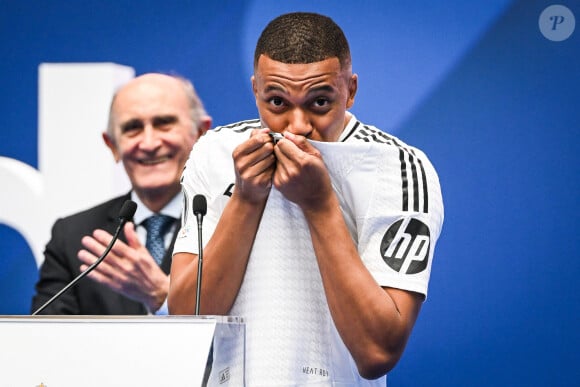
x: 182, y: 285
x: 227, y: 254
x: 224, y: 263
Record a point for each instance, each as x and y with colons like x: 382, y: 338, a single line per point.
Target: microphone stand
x: 199, y: 210
x: 199, y: 265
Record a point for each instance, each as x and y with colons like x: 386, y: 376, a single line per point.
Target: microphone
x: 126, y: 214
x: 199, y: 210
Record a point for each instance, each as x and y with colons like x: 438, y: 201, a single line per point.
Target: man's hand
x: 129, y: 268
x: 254, y: 164
x: 301, y: 174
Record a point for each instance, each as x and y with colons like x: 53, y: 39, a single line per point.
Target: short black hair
x: 303, y: 37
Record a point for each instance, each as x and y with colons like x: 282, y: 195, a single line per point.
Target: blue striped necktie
x: 157, y: 226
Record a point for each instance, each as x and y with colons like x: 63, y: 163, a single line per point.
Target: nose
x: 150, y: 139
x: 299, y: 122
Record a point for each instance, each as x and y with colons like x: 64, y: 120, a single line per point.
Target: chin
x: 156, y: 185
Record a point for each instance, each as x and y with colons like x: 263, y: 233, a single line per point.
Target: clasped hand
x: 292, y: 165
x: 128, y: 269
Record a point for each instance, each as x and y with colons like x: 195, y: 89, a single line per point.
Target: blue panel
x: 475, y: 84
x: 17, y: 275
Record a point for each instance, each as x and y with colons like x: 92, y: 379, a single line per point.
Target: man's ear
x: 352, y: 88
x: 254, y: 86
x: 204, y: 125
x: 111, y: 145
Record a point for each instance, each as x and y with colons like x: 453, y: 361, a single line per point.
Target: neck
x: 155, y: 200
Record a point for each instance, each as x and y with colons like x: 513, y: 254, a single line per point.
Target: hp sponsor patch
x: 405, y: 246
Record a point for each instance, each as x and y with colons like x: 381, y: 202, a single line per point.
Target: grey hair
x: 196, y: 110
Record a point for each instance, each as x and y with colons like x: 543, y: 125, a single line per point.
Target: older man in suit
x: 154, y: 121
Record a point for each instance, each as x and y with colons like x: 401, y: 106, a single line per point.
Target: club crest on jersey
x: 184, y: 232
x: 405, y: 246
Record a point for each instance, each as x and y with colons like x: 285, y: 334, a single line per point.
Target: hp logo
x: 405, y: 246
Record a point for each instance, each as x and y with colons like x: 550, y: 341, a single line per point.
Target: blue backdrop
x: 490, y: 93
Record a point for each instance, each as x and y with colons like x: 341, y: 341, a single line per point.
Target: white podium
x: 59, y: 351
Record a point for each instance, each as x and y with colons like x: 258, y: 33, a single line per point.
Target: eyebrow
x: 131, y: 124
x: 274, y: 88
x: 317, y: 89
x: 156, y: 121
x: 164, y: 120
x: 324, y: 88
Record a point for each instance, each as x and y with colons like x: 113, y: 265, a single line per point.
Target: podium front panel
x: 57, y: 351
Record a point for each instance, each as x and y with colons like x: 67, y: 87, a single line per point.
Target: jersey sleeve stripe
x: 425, y: 190
x: 241, y: 126
x: 415, y: 182
x: 404, y: 182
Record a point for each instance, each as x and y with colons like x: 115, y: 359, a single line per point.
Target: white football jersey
x: 391, y: 201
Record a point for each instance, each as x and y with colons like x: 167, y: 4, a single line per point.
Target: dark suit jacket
x: 61, y: 266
